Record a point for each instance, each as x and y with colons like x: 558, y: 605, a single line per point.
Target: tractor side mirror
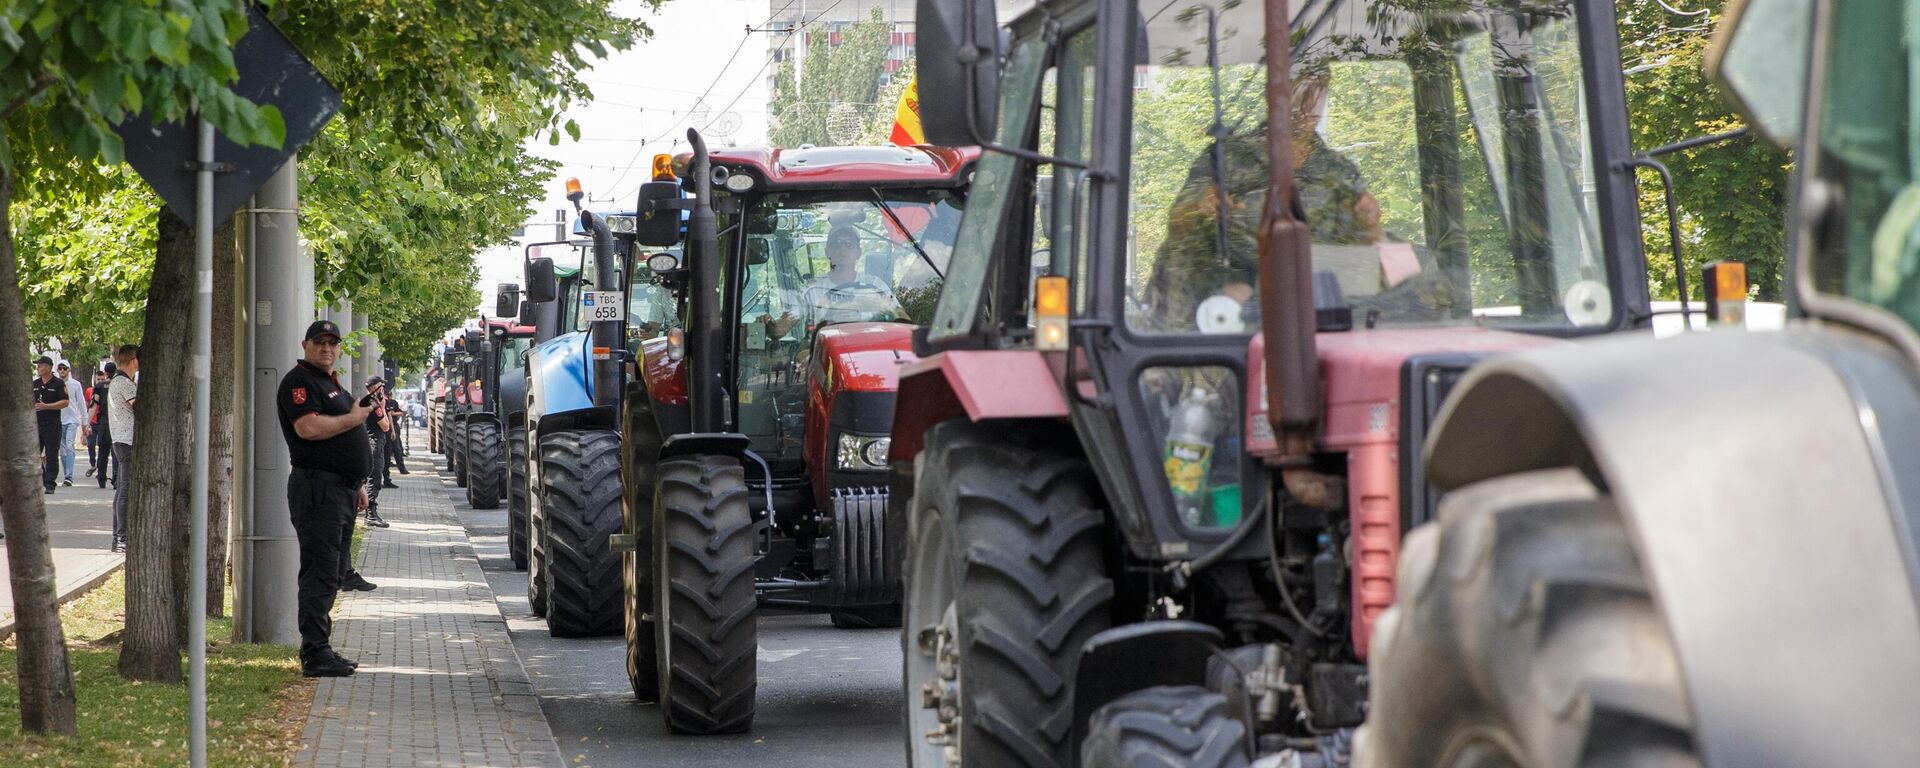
x: 656, y: 225
x: 506, y: 302
x: 958, y: 66
x: 542, y: 286
x: 1759, y: 57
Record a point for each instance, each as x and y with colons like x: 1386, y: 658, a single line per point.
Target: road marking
x: 769, y: 656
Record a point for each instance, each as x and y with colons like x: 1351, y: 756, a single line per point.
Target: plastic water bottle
x: 1188, y: 453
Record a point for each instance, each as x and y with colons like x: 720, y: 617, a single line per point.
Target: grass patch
x: 256, y: 699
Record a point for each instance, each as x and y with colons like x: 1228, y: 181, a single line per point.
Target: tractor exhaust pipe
x: 1286, y: 280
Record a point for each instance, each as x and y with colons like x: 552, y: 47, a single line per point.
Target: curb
x: 72, y: 593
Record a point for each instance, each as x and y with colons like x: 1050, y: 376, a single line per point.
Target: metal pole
x: 282, y: 305
x: 202, y: 388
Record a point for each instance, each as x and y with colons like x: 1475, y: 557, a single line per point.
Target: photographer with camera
x: 380, y: 441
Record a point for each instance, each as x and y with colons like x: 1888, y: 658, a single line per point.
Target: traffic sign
x: 272, y: 72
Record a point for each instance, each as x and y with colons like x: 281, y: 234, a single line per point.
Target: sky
x: 643, y: 100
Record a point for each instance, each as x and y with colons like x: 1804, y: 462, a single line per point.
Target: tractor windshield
x: 1869, y: 145
x: 512, y: 353
x: 1441, y: 159
x: 817, y: 259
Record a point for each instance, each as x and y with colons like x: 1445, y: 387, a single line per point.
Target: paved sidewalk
x: 80, y: 528
x: 439, y: 683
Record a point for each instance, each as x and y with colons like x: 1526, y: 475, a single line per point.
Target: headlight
x: 620, y: 224
x: 863, y: 452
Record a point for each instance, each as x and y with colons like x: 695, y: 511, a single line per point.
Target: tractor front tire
x: 517, y: 497
x: 705, y: 632
x: 581, y: 506
x: 1164, y: 727
x: 484, y: 465
x: 1006, y: 580
x: 1525, y: 634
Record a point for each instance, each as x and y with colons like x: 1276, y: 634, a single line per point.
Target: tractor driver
x: 844, y: 293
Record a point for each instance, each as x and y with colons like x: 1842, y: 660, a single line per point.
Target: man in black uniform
x: 49, y: 398
x: 321, y: 423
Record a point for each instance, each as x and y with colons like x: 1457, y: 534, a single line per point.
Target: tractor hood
x: 863, y: 357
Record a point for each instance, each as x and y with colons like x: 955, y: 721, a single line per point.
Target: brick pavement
x: 439, y: 682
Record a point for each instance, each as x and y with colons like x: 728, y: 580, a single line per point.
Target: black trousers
x: 379, y: 445
x: 108, y: 458
x: 49, y: 452
x: 121, y: 453
x: 322, y: 505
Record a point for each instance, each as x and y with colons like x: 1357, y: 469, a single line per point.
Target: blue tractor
x: 568, y: 434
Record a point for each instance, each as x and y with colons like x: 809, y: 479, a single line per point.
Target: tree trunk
x: 157, y: 504
x: 45, y: 678
x: 220, y: 420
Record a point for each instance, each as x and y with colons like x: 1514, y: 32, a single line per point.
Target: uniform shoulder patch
x: 299, y: 395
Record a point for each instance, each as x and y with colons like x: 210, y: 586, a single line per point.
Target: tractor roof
x: 811, y: 167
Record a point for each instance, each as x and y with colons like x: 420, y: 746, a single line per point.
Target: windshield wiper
x: 895, y: 218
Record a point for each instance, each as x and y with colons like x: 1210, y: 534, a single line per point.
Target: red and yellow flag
x: 906, y: 117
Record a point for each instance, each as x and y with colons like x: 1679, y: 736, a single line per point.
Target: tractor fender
x: 1754, y: 472
x: 557, y: 379
x: 980, y: 384
x: 1110, y: 664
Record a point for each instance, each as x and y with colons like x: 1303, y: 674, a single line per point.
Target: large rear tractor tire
x: 1006, y: 579
x: 581, y: 506
x: 459, y: 454
x: 639, y: 472
x: 1525, y: 635
x: 1171, y: 726
x: 484, y: 465
x: 517, y: 497
x: 705, y: 632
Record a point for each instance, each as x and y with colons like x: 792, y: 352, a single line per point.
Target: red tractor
x: 755, y: 425
x: 1152, y: 500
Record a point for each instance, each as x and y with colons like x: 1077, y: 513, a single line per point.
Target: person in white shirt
x: 121, y: 395
x: 73, y: 418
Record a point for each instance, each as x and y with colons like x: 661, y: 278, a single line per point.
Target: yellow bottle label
x: 1186, y: 466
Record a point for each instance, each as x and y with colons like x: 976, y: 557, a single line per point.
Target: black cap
x: 322, y: 328
x: 44, y: 360
x: 372, y: 380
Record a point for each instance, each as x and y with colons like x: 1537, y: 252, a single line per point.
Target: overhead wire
x: 632, y: 161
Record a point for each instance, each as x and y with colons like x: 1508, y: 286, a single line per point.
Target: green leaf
x: 276, y: 127
x: 573, y: 130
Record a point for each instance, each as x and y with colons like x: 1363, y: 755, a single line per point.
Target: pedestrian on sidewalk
x: 322, y: 424
x: 73, y: 419
x: 102, y: 423
x: 396, y: 446
x: 121, y: 393
x: 378, y: 445
x: 49, y: 400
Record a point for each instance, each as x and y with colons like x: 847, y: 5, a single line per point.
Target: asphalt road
x: 827, y: 697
